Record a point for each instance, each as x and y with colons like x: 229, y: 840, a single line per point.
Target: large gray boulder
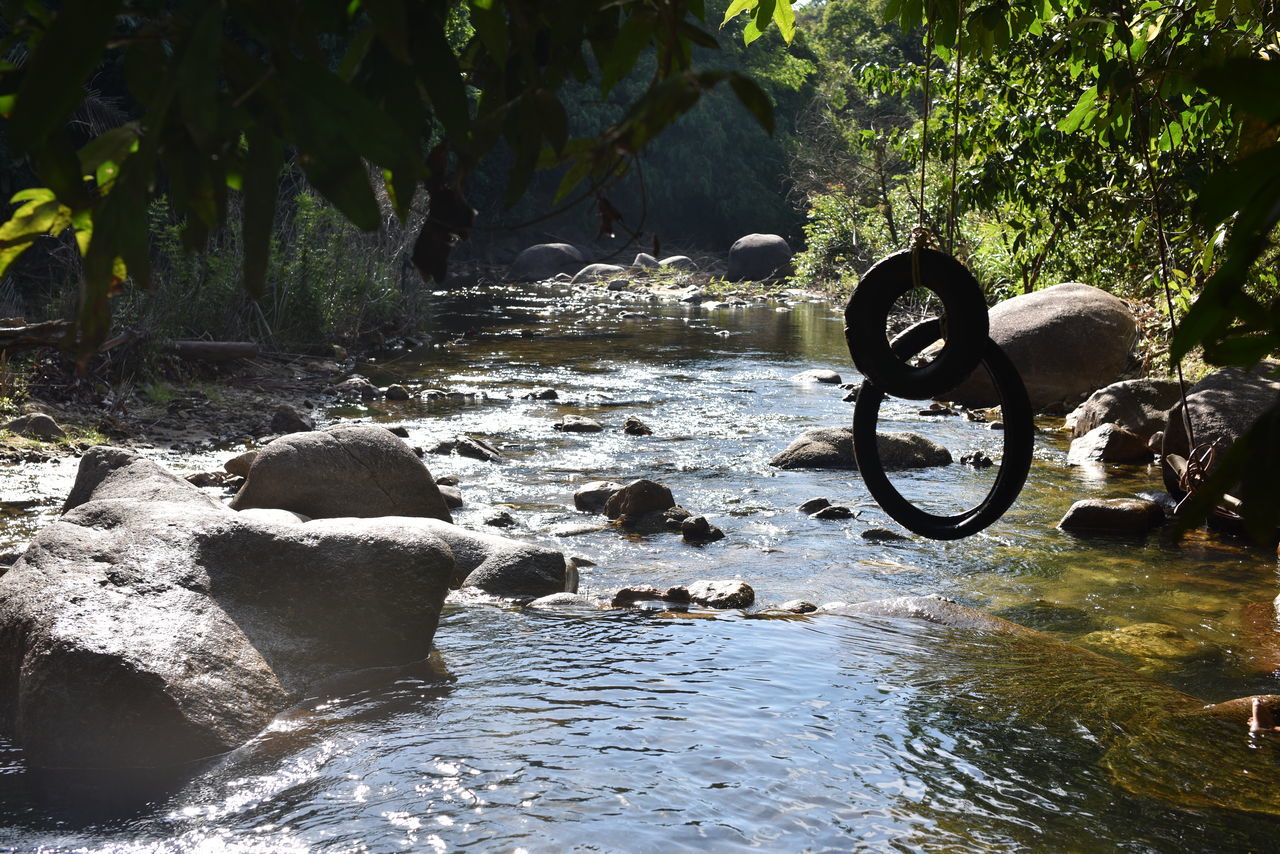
x: 757, y: 257
x: 544, y: 260
x: 1066, y: 341
x: 150, y: 626
x: 1222, y: 407
x: 348, y: 470
x: 832, y: 448
x: 1140, y: 406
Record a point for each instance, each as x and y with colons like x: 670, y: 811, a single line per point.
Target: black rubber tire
x: 1015, y: 464
x: 867, y: 316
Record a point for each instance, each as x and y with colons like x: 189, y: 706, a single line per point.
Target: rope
x: 952, y: 225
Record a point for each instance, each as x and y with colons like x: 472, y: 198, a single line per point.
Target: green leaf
x: 53, y: 81
x: 491, y: 27
x: 621, y: 56
x: 198, y: 76
x: 392, y: 23
x: 1249, y: 83
x: 102, y: 156
x: 785, y: 19
x: 345, y: 183
x: 737, y: 7
x: 754, y: 99
x: 42, y: 214
x: 1084, y: 106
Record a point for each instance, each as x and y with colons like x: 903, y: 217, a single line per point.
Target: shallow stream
x: 651, y: 731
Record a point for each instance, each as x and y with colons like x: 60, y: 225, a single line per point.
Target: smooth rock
x: 499, y: 519
x: 629, y: 596
x: 595, y: 272
x: 813, y: 505
x: 544, y: 261
x: 1112, y: 516
x: 471, y: 447
x: 722, y: 594
x: 592, y: 497
x: 758, y: 257
x: 347, y: 470
x: 1140, y: 406
x: 451, y: 494
x: 1222, y: 407
x: 637, y: 498
x: 1066, y: 341
x: 817, y: 375
x: 697, y: 529
x: 357, y: 387
x: 644, y: 261
x: 239, y: 465
x: 543, y: 393
x: 635, y: 427
x: 833, y: 512
x: 678, y: 262
x: 578, y: 424
x: 288, y: 420
x: 395, y: 391
x: 1109, y: 443
x: 563, y: 600
x: 832, y: 447
x: 36, y: 425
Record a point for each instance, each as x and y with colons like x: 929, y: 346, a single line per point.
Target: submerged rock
x: 1155, y: 741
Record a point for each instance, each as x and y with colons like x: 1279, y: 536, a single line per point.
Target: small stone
x: 618, y: 285
x: 543, y: 393
x: 289, y: 420
x: 635, y: 427
x: 692, y: 296
x: 591, y: 497
x: 562, y: 600
x: 645, y: 261
x: 798, y: 606
x: 467, y: 446
x: 813, y: 505
x: 996, y: 425
x: 832, y: 512
x: 883, y: 535
x: 698, y: 530
x: 396, y: 392
x: 447, y: 480
x: 578, y: 424
x: 638, y: 497
x: 977, y: 459
x: 206, y: 479
x: 398, y: 430
x: 499, y: 519
x: 851, y: 397
x: 628, y: 596
x: 937, y: 409
x: 357, y: 386
x: 451, y: 494
x: 239, y: 465
x: 817, y: 375
x: 722, y: 594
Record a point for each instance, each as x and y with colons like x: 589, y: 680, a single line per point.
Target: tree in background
x: 421, y: 90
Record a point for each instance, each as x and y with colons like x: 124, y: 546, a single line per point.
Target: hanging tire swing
x: 1015, y: 463
x: 964, y: 329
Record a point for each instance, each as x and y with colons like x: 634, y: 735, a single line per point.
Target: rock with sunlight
x: 832, y: 448
x: 346, y: 470
x: 1112, y: 516
x: 757, y: 257
x: 1155, y: 741
x: 596, y: 272
x: 1066, y: 341
x: 545, y: 260
x: 150, y: 625
x: 1140, y: 406
x: 1109, y: 443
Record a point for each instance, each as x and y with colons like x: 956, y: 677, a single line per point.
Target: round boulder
x: 1140, y: 406
x: 591, y: 497
x: 1112, y: 516
x: 1222, y: 408
x: 1065, y: 341
x: 1109, y: 443
x: 544, y: 261
x: 595, y: 272
x: 832, y: 448
x: 348, y: 470
x: 757, y: 257
x: 722, y: 594
x: 638, y: 498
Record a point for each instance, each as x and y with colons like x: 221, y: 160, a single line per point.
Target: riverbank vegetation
x: 257, y: 170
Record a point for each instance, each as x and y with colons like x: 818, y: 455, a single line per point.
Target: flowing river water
x: 557, y: 730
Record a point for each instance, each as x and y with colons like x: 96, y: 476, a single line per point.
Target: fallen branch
x: 49, y: 333
x: 215, y: 351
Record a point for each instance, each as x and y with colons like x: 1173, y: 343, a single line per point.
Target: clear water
x: 642, y: 731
